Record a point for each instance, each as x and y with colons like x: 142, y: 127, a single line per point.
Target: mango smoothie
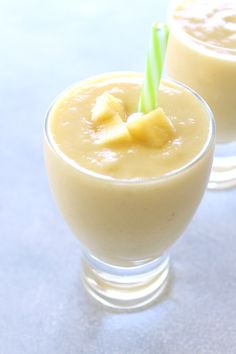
x: 202, y: 54
x: 127, y: 184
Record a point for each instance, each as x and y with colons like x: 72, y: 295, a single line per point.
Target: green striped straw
x: 154, y: 66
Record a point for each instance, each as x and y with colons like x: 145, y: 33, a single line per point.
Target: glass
x: 125, y: 262
x: 211, y: 71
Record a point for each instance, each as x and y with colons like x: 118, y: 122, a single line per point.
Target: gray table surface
x: 46, y: 46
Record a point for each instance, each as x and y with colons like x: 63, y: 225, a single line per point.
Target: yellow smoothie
x: 127, y: 196
x: 202, y: 53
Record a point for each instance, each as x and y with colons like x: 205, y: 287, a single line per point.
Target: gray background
x: 46, y: 46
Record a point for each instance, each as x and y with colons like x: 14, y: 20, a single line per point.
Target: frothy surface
x: 212, y: 21
x: 72, y: 130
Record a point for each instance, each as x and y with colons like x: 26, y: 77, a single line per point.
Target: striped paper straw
x: 154, y: 66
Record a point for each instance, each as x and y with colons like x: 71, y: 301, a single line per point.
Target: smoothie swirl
x: 212, y: 22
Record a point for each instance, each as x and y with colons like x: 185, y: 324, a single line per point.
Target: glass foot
x: 125, y: 288
x: 223, y: 174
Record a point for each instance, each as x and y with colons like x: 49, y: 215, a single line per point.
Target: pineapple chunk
x: 118, y: 135
x: 113, y: 121
x: 106, y: 107
x: 114, y: 133
x: 154, y: 129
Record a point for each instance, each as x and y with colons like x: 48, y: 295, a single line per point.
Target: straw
x: 154, y: 67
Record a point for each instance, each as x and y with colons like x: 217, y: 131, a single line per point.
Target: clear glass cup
x: 125, y: 227
x: 211, y: 71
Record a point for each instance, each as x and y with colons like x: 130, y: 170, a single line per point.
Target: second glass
x: 210, y: 70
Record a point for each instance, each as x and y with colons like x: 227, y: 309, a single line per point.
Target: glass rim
x: 146, y: 180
